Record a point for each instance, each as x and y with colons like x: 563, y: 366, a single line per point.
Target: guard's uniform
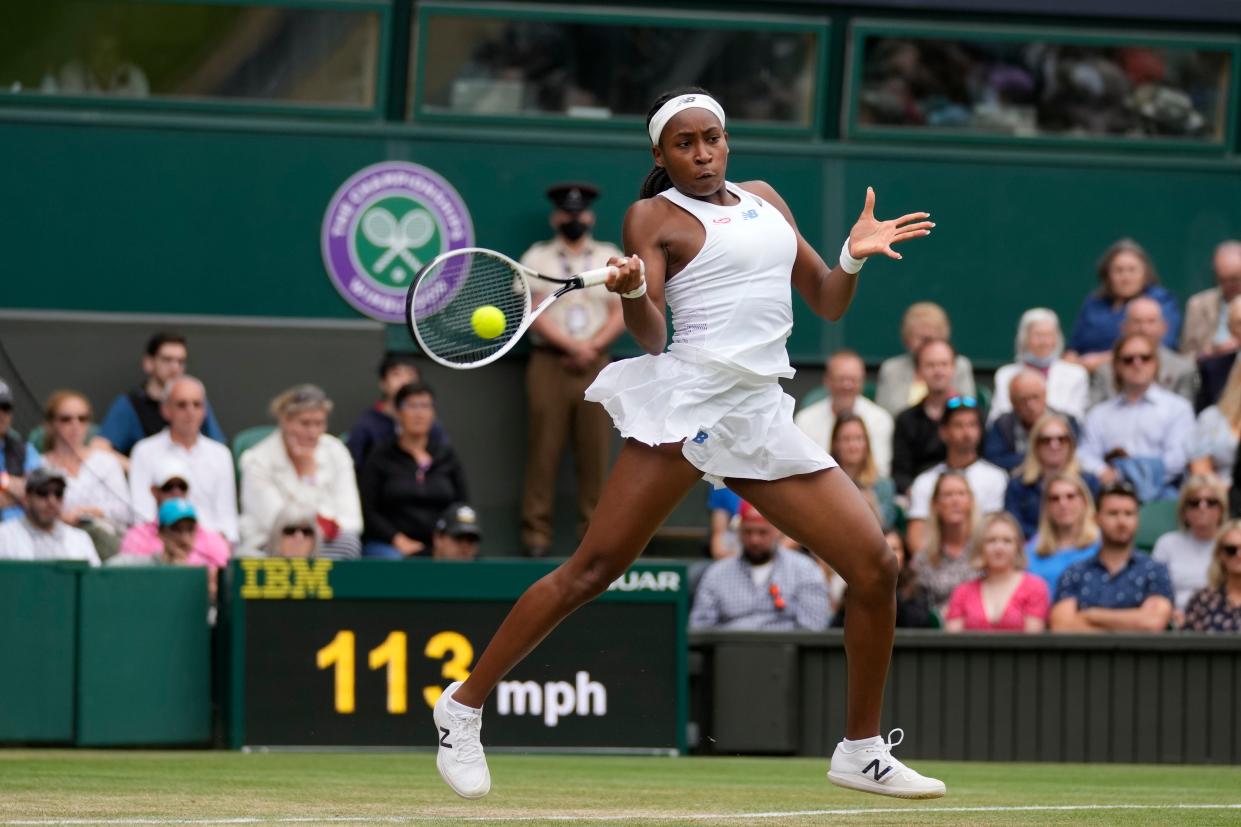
x: 558, y: 409
x: 716, y: 388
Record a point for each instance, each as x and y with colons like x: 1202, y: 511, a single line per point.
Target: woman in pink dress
x: 1006, y: 598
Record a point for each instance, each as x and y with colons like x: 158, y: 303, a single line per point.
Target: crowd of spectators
x: 1024, y: 515
x: 156, y: 484
x: 1021, y: 515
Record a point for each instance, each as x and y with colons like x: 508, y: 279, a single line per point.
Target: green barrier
x: 144, y: 663
x: 38, y: 629
x: 338, y: 654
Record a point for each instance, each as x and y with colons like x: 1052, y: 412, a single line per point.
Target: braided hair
x: 657, y: 179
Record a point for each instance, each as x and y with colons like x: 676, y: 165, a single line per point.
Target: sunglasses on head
x: 955, y: 402
x: 1230, y: 549
x: 1131, y: 358
x: 290, y: 530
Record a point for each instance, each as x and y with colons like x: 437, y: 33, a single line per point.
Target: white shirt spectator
x: 817, y: 420
x: 1068, y: 389
x: 987, y: 482
x: 213, y: 486
x: 269, y: 482
x: 22, y: 540
x: 100, y: 482
x: 1157, y: 424
x: 1187, y: 559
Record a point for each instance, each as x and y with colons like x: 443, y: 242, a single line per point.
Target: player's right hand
x: 630, y: 274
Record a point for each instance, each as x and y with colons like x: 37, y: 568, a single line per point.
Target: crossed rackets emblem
x: 399, y: 239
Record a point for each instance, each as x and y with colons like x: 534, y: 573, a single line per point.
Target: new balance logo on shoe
x: 444, y: 739
x: 872, y: 768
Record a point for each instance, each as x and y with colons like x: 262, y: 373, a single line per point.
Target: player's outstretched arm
x: 829, y: 290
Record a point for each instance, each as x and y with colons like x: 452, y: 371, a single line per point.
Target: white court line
x: 1033, y: 808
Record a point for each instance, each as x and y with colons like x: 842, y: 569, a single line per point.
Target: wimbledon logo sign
x: 382, y: 226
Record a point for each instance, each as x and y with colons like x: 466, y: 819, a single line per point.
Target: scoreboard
x: 338, y: 654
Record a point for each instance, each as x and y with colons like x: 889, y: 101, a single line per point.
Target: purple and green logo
x: 382, y: 226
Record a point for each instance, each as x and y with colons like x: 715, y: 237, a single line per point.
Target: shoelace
x: 469, y: 748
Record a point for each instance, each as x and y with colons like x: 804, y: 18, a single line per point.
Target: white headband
x: 697, y: 100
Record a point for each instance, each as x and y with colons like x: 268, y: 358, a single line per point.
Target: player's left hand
x: 871, y: 236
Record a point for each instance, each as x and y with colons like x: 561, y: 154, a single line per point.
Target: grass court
x: 78, y: 787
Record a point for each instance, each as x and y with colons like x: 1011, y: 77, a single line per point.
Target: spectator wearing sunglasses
x: 916, y: 444
x: 1119, y: 589
x: 1141, y: 433
x: 295, y: 533
x: 1053, y: 452
x: 1008, y: 437
x: 17, y: 459
x: 1177, y: 373
x: 1186, y: 552
x: 209, y: 463
x: 96, y: 493
x: 170, y: 480
x: 1217, y: 608
x: 41, y: 534
x: 960, y: 430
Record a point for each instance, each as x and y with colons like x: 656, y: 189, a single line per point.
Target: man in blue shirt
x: 136, y: 415
x: 1118, y: 589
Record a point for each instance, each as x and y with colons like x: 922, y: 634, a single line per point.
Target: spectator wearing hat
x: 208, y: 464
x: 137, y: 414
x: 764, y: 587
x: 377, y: 424
x: 41, y: 534
x: 177, y: 528
x: 571, y: 342
x: 171, y: 481
x: 960, y: 430
x: 19, y: 459
x: 457, y: 534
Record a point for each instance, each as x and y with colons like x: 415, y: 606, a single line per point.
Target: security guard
x: 570, y: 347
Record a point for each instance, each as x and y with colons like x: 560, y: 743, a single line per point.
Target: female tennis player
x: 724, y: 257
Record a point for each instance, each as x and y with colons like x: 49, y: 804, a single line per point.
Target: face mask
x: 1037, y: 361
x: 573, y: 229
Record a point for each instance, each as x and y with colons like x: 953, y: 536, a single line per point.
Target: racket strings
x: 449, y: 293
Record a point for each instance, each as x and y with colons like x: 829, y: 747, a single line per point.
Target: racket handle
x: 599, y: 275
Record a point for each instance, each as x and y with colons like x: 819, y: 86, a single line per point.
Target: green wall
x: 189, y: 215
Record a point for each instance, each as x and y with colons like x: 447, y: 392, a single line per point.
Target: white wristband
x: 636, y: 293
x: 848, y: 263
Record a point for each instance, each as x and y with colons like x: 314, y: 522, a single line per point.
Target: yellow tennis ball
x: 488, y: 321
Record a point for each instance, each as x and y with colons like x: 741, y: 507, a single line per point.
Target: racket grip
x: 599, y: 275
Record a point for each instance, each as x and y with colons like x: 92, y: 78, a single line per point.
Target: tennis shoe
x: 460, y: 760
x: 872, y: 769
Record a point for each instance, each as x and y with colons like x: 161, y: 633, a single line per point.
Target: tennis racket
x: 468, y: 307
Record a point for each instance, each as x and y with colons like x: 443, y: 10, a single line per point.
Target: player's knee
x: 592, y: 577
x: 878, y: 576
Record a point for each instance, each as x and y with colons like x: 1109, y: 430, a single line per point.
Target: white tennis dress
x: 716, y: 389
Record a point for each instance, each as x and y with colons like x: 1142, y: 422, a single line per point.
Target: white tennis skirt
x: 730, y: 424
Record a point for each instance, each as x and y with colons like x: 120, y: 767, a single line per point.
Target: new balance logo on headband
x: 688, y: 99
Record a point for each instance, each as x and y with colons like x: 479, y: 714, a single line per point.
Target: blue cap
x: 174, y: 511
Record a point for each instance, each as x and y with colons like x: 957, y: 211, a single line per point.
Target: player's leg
x: 550, y: 420
x: 645, y: 485
x: 825, y: 512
